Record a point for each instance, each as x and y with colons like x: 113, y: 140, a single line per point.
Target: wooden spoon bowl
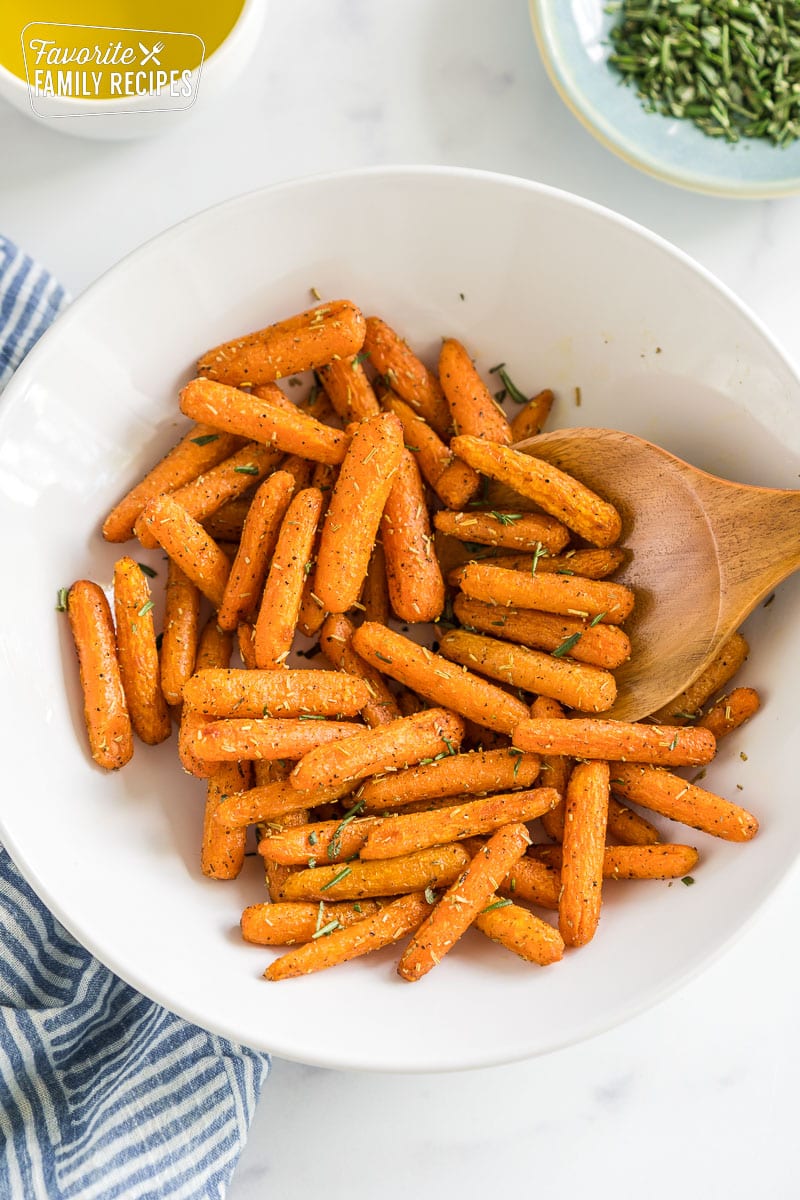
x: 703, y: 553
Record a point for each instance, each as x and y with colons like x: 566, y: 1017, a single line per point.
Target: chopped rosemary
x: 204, y: 439
x: 674, y: 742
x: 338, y: 877
x: 513, y: 391
x: 335, y: 844
x: 61, y: 600
x: 146, y: 608
x: 596, y: 620
x: 430, y: 895
x: 538, y: 553
x: 247, y: 469
x: 506, y: 518
x: 325, y: 930
x: 311, y: 717
x: 312, y: 838
x: 148, y: 571
x: 567, y: 645
x: 382, y: 657
x: 688, y: 880
x: 359, y: 358
x: 497, y: 904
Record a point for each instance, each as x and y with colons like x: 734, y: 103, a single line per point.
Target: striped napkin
x: 102, y: 1092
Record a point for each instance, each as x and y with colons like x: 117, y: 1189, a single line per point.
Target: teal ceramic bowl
x: 573, y: 41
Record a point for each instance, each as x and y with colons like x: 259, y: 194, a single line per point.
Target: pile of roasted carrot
x: 393, y: 796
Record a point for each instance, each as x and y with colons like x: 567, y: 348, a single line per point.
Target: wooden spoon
x: 704, y: 552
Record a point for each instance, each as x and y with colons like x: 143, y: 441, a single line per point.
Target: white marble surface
x: 697, y: 1096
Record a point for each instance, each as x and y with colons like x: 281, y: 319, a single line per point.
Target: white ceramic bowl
x: 126, y: 118
x: 567, y: 294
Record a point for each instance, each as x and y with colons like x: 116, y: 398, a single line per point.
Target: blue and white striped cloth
x: 102, y: 1092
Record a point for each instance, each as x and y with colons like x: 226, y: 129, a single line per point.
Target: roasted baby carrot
x: 264, y: 419
x: 272, y: 802
x: 375, y: 593
x: 664, y: 861
x: 181, y: 633
x: 318, y: 841
x: 289, y: 922
x: 392, y: 836
x: 575, y: 505
x: 349, y: 390
x: 406, y: 375
x: 629, y: 827
x: 582, y: 687
x: 591, y: 564
x: 336, y: 638
x: 520, y: 931
x: 105, y: 710
x: 570, y: 595
x: 383, y: 928
x: 533, y: 882
x: 200, y: 449
x: 682, y: 801
x: 206, y: 494
x: 188, y: 545
x: 279, y: 608
x: 555, y: 770
x: 312, y: 613
x: 413, y: 574
x: 530, y: 419
x: 190, y: 725
x: 585, y: 816
x: 227, y: 522
x: 230, y: 739
x: 472, y: 406
x: 436, y: 867
x: 717, y: 674
x: 262, y: 524
x: 513, y: 530
x: 730, y: 712
x: 222, y: 853
x: 453, y: 775
x: 437, y: 679
x: 289, y: 693
x: 618, y: 741
x: 299, y: 469
x: 398, y: 744
x: 351, y: 524
x: 453, y: 481
x: 599, y: 645
x: 137, y: 653
x: 214, y: 648
x: 463, y: 901
x: 303, y: 342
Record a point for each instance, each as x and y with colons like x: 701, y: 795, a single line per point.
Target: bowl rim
x: 107, y: 955
x: 612, y: 139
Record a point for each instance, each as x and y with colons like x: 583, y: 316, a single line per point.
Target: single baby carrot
x: 351, y: 524
x: 375, y: 593
x: 181, y: 632
x: 318, y: 841
x: 336, y: 637
x: 520, y: 931
x: 599, y: 645
x: 618, y: 741
x: 105, y: 710
x: 393, y: 836
x: 575, y: 505
x: 214, y: 648
x: 349, y: 390
x: 413, y: 574
x: 222, y: 853
x: 406, y: 375
x: 259, y: 536
x: 188, y: 545
x: 586, y: 813
x: 289, y: 922
x: 203, y: 496
x: 570, y: 595
x: 514, y: 530
x: 665, y: 861
x: 246, y: 642
x: 555, y: 770
x: 230, y: 739
x: 312, y: 614
x: 303, y: 342
x: 533, y: 882
x: 582, y: 687
x: 276, y: 623
x: 730, y: 712
x: 262, y: 693
x: 273, y: 802
x: 453, y: 775
x: 436, y: 867
x: 682, y: 801
x: 264, y: 419
x: 718, y: 673
x: 591, y: 564
x: 629, y: 827
x: 401, y: 742
x: 137, y: 653
x: 530, y: 419
x: 382, y: 928
x: 200, y: 449
x: 437, y: 679
x: 453, y: 481
x: 463, y: 901
x: 472, y: 406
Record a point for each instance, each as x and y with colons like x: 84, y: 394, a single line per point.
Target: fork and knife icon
x: 151, y: 55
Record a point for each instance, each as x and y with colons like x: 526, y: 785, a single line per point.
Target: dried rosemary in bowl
x: 730, y: 66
